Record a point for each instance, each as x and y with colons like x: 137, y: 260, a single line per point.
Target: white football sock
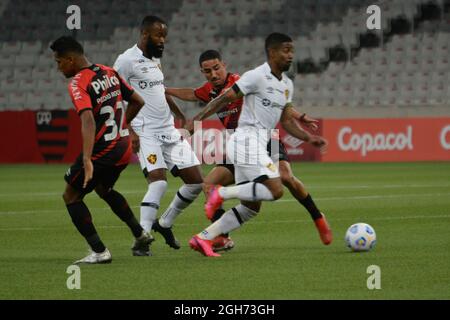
x: 150, y: 203
x: 183, y: 198
x: 251, y: 191
x: 230, y: 220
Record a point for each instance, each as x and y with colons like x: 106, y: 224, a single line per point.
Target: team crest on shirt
x: 286, y: 93
x: 152, y: 158
x: 272, y: 167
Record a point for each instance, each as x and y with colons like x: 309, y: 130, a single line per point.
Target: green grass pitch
x: 278, y: 255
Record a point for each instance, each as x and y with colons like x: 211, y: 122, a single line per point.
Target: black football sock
x: 217, y: 215
x: 121, y: 208
x: 309, y: 204
x: 82, y: 219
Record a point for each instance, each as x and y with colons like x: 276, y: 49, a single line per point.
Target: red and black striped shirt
x: 228, y: 115
x: 100, y: 88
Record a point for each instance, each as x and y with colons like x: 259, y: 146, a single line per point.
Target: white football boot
x: 93, y: 257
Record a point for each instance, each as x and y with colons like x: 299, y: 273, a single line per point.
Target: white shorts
x: 247, y: 150
x: 166, y: 150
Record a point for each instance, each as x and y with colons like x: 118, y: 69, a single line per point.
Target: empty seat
x: 27, y: 85
x: 39, y: 73
x: 6, y: 60
x: 31, y: 47
x: 11, y: 47
x: 17, y: 100
x: 26, y: 60
x: 5, y: 73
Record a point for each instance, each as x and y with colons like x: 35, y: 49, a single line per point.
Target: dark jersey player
x: 98, y: 93
x: 219, y: 80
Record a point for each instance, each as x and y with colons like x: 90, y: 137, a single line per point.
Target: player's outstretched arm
x: 185, y: 94
x: 289, y: 123
x: 88, y: 136
x: 304, y: 119
x: 218, y: 103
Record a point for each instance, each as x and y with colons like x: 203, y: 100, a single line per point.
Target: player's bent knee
x: 255, y: 206
x: 102, y: 191
x: 277, y: 193
x: 287, y: 178
x: 70, y: 198
x: 156, y: 175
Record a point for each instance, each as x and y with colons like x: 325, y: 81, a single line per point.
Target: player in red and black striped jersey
x: 98, y: 93
x: 229, y: 115
x: 218, y: 81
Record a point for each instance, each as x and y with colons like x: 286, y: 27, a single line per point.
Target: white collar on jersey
x: 268, y: 70
x: 141, y: 53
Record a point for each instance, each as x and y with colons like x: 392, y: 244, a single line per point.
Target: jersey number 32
x: 111, y: 122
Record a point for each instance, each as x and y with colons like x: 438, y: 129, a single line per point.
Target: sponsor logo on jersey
x: 150, y: 84
x: 266, y: 102
x: 269, y: 90
x: 104, y: 83
x: 142, y: 84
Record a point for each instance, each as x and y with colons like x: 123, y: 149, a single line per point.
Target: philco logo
x: 366, y: 142
x: 105, y: 83
x: 444, y: 142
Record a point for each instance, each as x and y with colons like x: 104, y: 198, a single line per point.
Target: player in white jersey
x: 267, y: 93
x: 156, y: 140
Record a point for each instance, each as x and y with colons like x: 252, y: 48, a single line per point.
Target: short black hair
x: 149, y: 20
x: 66, y: 44
x: 274, y: 40
x: 209, y: 55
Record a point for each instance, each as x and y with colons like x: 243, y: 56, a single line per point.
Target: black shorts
x: 105, y: 175
x: 282, y: 153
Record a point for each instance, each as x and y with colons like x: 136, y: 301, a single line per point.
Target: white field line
x: 200, y: 203
x: 200, y: 225
x: 143, y: 190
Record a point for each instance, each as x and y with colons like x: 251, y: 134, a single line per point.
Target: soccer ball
x: 360, y: 237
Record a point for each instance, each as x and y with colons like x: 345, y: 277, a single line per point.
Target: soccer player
x: 267, y: 93
x: 218, y: 80
x: 97, y: 93
x: 156, y: 140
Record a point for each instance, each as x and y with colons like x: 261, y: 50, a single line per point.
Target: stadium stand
x: 339, y: 62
